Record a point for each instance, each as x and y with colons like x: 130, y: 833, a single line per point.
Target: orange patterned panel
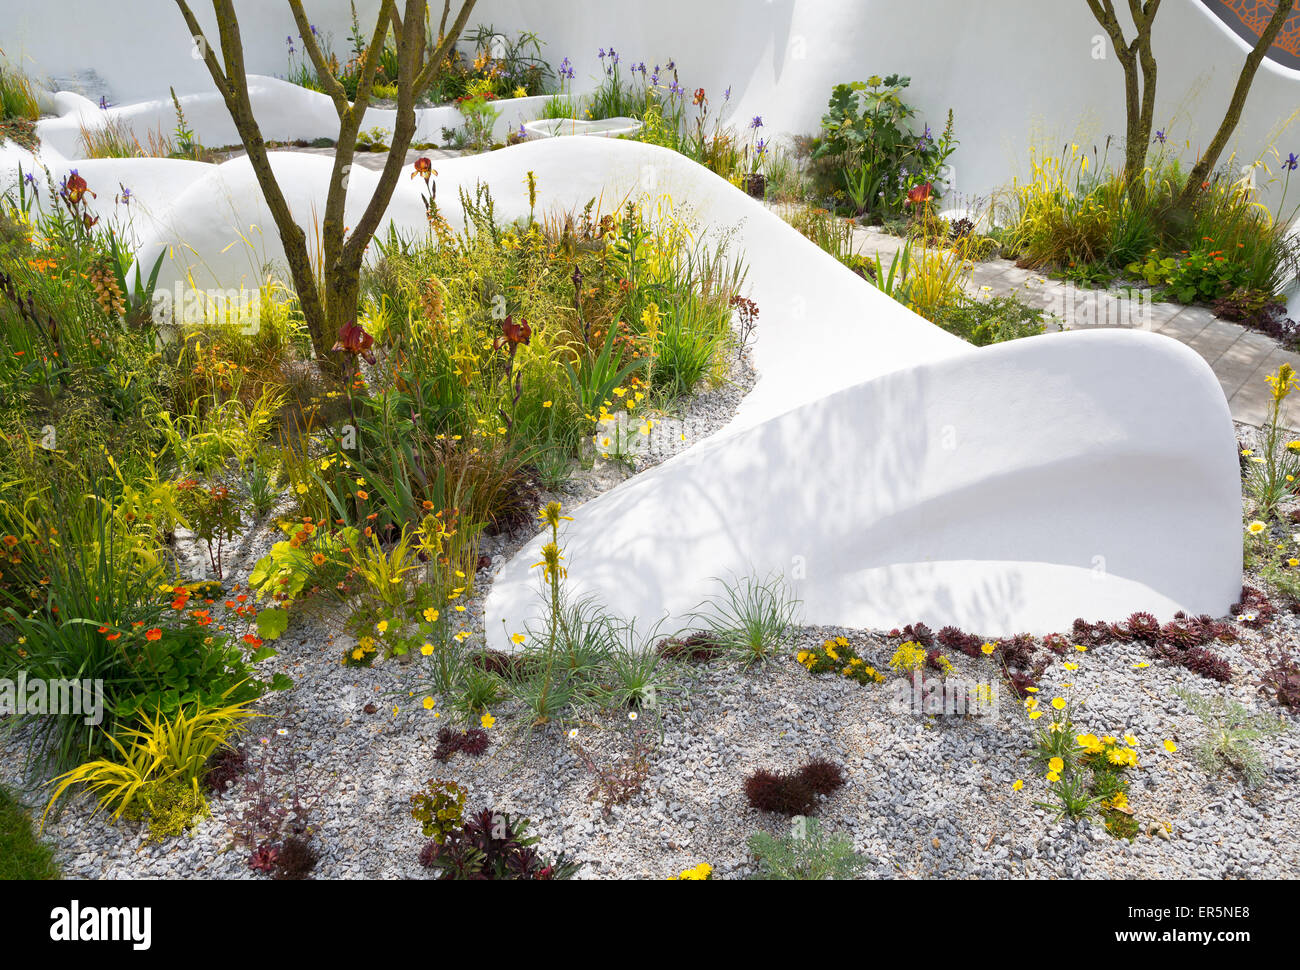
x: 1255, y: 15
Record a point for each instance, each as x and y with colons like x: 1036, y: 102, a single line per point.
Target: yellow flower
x: 487, y: 720
x: 1130, y: 740
x: 431, y: 615
x: 428, y: 703
x: 1058, y: 703
x: 1071, y: 666
x: 1017, y: 784
x: 1170, y: 746
x: 1053, y: 776
x: 988, y: 648
x: 1056, y: 764
x: 1256, y: 527
x: 427, y: 650
x: 382, y: 626
x: 551, y: 515
x: 517, y: 639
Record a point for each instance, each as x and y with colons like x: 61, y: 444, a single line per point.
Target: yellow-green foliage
x: 165, y: 749
x: 17, y: 96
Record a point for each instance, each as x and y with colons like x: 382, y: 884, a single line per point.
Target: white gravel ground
x: 925, y: 797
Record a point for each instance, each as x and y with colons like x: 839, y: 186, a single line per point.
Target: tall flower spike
x: 552, y: 517
x: 550, y: 562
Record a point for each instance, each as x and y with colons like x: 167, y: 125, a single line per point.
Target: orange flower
x: 154, y: 634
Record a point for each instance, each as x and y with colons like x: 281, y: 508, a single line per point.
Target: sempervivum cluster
x: 1199, y: 661
x: 1254, y: 609
x: 1144, y: 628
x: 954, y: 639
x: 472, y: 742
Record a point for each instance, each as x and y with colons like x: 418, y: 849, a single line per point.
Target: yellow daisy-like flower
x: 1058, y: 703
x: 1130, y: 740
x: 1056, y: 764
x: 1053, y: 776
x: 427, y: 650
x: 382, y: 626
x: 487, y: 721
x: 988, y: 648
x: 518, y: 639
x: 1071, y: 666
x: 428, y: 703
x: 1170, y: 746
x: 431, y: 615
x: 1017, y: 784
x: 1035, y: 715
x: 1256, y: 527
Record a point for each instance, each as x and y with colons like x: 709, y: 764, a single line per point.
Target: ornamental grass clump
x: 751, y: 618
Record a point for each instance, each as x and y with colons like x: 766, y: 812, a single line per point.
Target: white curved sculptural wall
x: 896, y: 473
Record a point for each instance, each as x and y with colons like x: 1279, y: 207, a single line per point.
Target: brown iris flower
x: 513, y: 334
x: 354, y: 340
x: 423, y: 169
x: 920, y: 194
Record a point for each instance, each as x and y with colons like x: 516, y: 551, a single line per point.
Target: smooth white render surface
x: 284, y: 112
x: 565, y: 127
x: 1006, y: 67
x: 1005, y: 491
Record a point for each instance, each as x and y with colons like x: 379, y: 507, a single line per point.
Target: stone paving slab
x: 1240, y: 358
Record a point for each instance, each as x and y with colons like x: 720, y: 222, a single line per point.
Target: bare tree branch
x: 1200, y: 172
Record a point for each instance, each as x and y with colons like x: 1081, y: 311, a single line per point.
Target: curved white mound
x: 1012, y: 490
x: 284, y: 111
x: 567, y: 127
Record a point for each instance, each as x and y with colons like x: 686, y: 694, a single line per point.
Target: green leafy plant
x: 1229, y: 733
x: 806, y: 852
x: 440, y: 809
x: 873, y: 152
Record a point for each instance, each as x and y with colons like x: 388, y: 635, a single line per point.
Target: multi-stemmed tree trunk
x: 330, y: 303
x: 1139, y: 64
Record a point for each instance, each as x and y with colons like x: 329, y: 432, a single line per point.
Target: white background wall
x: 1008, y: 67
